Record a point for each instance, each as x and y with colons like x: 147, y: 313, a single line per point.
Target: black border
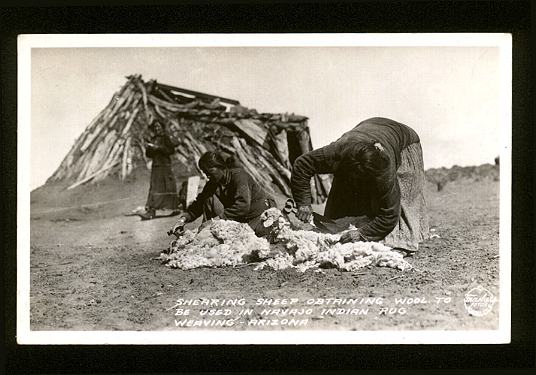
x: 263, y: 17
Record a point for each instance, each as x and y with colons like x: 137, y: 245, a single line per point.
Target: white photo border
x: 25, y: 44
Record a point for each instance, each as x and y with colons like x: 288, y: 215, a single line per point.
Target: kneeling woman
x: 230, y: 194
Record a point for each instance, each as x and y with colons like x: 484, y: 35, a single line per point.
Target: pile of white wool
x: 228, y: 243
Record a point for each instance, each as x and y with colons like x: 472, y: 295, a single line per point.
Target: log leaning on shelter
x: 113, y: 144
x: 91, y: 176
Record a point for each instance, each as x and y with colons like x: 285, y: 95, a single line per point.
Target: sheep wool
x: 220, y: 243
x: 312, y: 249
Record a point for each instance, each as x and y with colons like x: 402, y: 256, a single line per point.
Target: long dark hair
x: 154, y: 125
x: 365, y: 159
x: 216, y: 159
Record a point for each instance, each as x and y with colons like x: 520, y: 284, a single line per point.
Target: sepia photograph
x: 264, y: 188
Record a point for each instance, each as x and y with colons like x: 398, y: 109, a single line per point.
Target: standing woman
x: 163, y: 190
x: 230, y: 194
x: 377, y: 186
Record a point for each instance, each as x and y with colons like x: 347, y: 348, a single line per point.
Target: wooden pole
x: 91, y: 176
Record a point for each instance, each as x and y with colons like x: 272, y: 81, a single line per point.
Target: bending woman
x: 377, y: 186
x: 230, y: 193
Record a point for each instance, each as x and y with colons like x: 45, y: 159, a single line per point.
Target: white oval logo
x: 479, y: 301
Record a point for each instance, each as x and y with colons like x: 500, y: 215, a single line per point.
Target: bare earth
x: 93, y: 269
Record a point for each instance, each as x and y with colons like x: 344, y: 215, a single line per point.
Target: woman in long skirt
x: 377, y: 186
x: 163, y: 189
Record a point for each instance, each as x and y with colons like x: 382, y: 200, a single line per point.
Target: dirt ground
x: 92, y: 268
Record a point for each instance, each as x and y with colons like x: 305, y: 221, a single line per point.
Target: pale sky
x: 449, y: 95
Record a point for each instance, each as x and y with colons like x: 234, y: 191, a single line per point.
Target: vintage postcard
x: 264, y: 189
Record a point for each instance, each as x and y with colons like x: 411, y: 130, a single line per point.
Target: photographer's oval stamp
x: 479, y: 301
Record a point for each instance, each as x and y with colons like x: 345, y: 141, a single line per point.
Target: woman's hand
x: 179, y: 225
x: 184, y: 216
x: 351, y: 236
x: 304, y: 213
